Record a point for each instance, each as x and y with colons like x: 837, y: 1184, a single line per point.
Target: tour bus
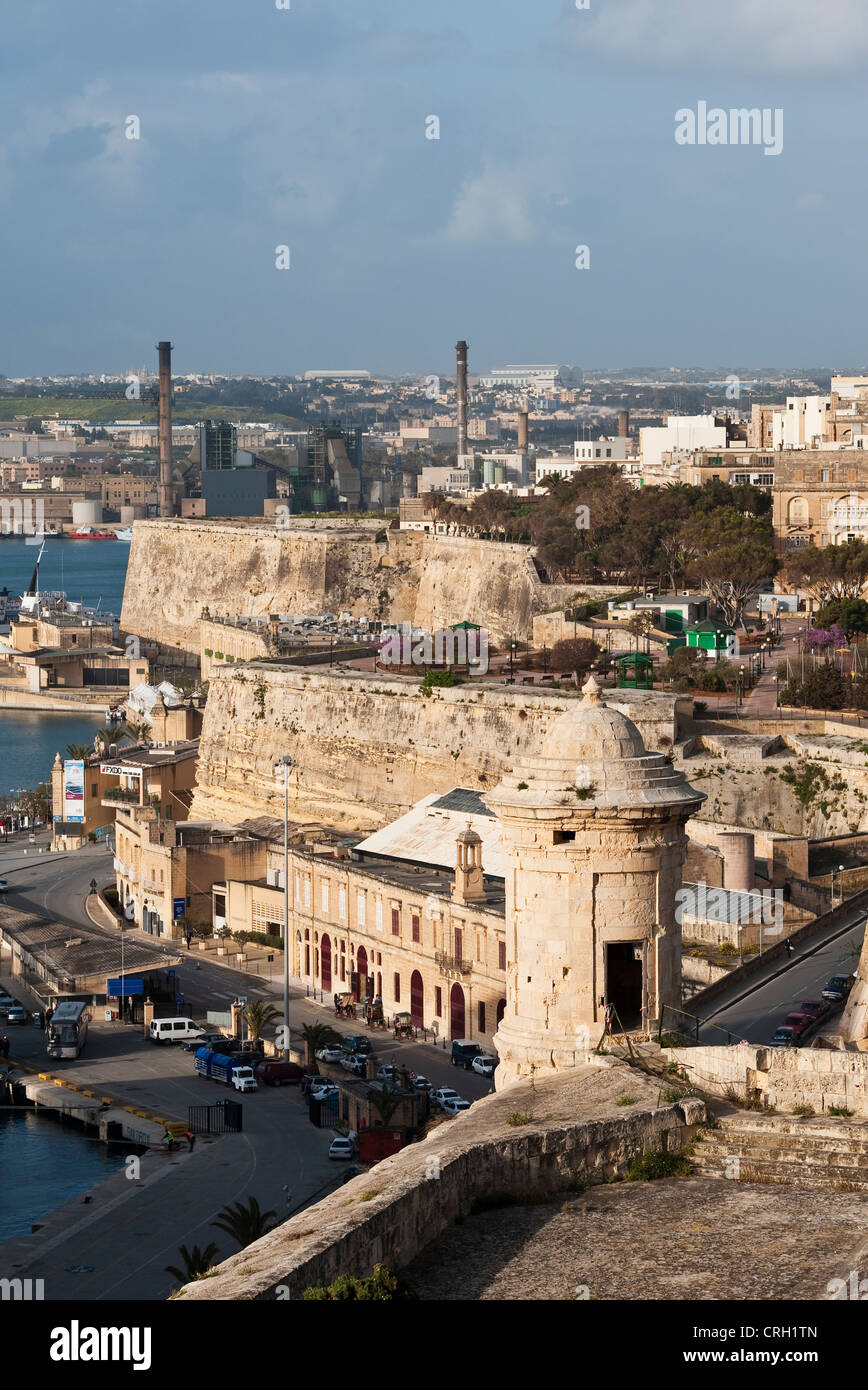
x: 67, y: 1030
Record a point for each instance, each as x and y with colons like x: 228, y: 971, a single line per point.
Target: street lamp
x: 284, y: 764
x: 840, y: 870
x: 512, y: 646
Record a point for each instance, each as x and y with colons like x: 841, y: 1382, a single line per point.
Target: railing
x: 453, y: 964
x: 115, y: 794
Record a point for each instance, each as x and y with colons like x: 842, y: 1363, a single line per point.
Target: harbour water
x: 91, y: 572
x: 45, y: 1164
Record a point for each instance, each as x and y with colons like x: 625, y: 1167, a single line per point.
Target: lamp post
x: 512, y: 646
x: 740, y: 684
x: 284, y: 764
x: 839, y: 870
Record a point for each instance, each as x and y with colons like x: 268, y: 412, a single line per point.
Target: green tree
x: 574, y: 654
x: 257, y: 1015
x: 196, y: 1263
x: 831, y: 571
x: 379, y: 1287
x: 79, y: 750
x: 850, y: 614
x: 734, y: 554
x: 245, y: 1222
x: 385, y: 1102
x: 317, y: 1036
x: 824, y: 687
x: 138, y: 729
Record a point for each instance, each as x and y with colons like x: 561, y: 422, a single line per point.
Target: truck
x: 463, y: 1052
x: 229, y: 1070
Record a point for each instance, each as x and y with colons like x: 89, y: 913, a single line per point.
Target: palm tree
x: 245, y: 1223
x: 257, y: 1016
x: 138, y: 729
x: 111, y: 735
x: 78, y: 750
x: 385, y: 1102
x: 316, y: 1037
x: 196, y: 1263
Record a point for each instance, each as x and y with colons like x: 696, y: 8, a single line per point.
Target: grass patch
x: 516, y: 1118
x: 804, y: 1110
x: 840, y: 1110
x: 626, y: 1100
x: 657, y: 1163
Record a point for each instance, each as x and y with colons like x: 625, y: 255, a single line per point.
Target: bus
x: 67, y: 1030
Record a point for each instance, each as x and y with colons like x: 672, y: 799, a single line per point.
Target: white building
x: 804, y: 424
x: 603, y: 450
x: 686, y: 432
x: 523, y: 377
x: 433, y: 479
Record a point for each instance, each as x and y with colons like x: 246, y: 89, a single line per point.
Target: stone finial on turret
x: 57, y: 760
x: 591, y: 691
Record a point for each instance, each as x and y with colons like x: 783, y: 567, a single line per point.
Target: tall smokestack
x: 623, y: 424
x: 522, y: 432
x: 461, y: 391
x: 165, y: 416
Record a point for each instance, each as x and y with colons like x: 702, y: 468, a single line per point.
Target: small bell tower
x: 469, y: 885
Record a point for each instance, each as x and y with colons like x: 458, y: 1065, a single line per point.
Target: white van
x: 174, y: 1030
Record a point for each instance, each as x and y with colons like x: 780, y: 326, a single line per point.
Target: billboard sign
x: 179, y: 907
x: 73, y: 790
x: 119, y: 770
x: 125, y: 985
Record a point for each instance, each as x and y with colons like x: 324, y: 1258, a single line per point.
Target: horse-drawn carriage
x: 374, y: 1013
x: 345, y: 1005
x: 403, y: 1026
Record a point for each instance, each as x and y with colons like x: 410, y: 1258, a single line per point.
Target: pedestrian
x: 791, y: 950
x: 191, y: 1139
x: 4, y: 1046
x: 170, y: 1141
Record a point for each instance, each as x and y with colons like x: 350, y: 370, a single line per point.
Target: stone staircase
x: 784, y: 1149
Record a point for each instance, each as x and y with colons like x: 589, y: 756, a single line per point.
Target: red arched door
x: 362, y: 967
x: 456, y: 1012
x: 501, y: 1009
x: 326, y: 958
x: 417, y: 1000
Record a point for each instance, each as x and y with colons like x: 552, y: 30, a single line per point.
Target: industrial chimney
x: 461, y: 391
x: 522, y: 432
x: 623, y: 424
x: 164, y: 351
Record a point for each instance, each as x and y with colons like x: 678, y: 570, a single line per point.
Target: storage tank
x: 499, y: 473
x: 737, y: 847
x: 488, y: 472
x: 86, y: 513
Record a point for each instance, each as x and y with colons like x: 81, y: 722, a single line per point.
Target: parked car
x: 355, y: 1042
x: 817, y: 1008
x: 311, y: 1080
x: 783, y: 1037
x: 342, y: 1148
x: 332, y: 1053
x: 174, y: 1030
x: 244, y: 1080
x: 4, y: 886
x: 357, y: 1065
x: 207, y: 1040
x: 325, y: 1093
x: 421, y: 1083
x: 484, y: 1065
x: 277, y: 1073
x: 454, y: 1107
x: 15, y: 1014
x: 443, y: 1094
x: 800, y: 1023
x: 387, y: 1073
x: 838, y: 988
x: 463, y: 1053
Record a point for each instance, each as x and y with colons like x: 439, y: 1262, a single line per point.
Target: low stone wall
x: 783, y: 1076
x: 494, y: 1150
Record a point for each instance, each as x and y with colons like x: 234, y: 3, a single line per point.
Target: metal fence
x: 224, y: 1117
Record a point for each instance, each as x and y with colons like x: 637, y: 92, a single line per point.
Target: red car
x: 817, y: 1008
x: 800, y: 1023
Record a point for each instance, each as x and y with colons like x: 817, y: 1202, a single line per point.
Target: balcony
x: 119, y: 797
x: 150, y: 885
x: 452, y: 965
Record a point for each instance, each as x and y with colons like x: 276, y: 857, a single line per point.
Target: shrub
x: 626, y: 1100
x: 378, y: 1287
x: 804, y: 1110
x: 657, y: 1163
x: 516, y: 1118
x: 840, y: 1110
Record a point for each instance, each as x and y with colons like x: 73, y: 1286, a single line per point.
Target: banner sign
x: 73, y: 790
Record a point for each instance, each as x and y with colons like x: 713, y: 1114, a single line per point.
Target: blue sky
x: 306, y: 127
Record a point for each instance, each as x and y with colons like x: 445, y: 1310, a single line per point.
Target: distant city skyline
x: 303, y: 137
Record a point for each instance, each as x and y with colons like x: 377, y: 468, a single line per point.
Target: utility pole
x: 284, y: 764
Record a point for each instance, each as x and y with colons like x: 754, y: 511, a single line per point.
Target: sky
x: 305, y: 128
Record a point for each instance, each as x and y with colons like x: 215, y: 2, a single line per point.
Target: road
x: 118, y: 1248
x: 756, y: 1014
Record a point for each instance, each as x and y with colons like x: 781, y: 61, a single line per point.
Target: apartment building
x: 414, y: 914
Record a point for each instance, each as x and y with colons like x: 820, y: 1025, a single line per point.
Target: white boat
x: 124, y: 533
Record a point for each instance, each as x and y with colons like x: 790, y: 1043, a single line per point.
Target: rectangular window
x: 307, y: 892
x: 93, y: 788
x: 501, y: 955
x: 480, y: 1017
x: 324, y: 896
x: 438, y: 1001
x: 417, y: 936
x: 397, y: 988
x: 342, y: 903
x: 378, y: 913
x: 458, y: 940
x: 298, y: 886
x: 360, y: 909
x: 396, y: 921
x: 824, y: 475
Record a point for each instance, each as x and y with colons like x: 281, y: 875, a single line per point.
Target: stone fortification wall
x: 400, y: 1205
x: 366, y: 748
x: 244, y: 569
x: 783, y: 1076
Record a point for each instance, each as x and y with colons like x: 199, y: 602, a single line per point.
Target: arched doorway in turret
x: 456, y: 1012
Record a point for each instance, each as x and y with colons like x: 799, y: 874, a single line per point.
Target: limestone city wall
x: 783, y: 1076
